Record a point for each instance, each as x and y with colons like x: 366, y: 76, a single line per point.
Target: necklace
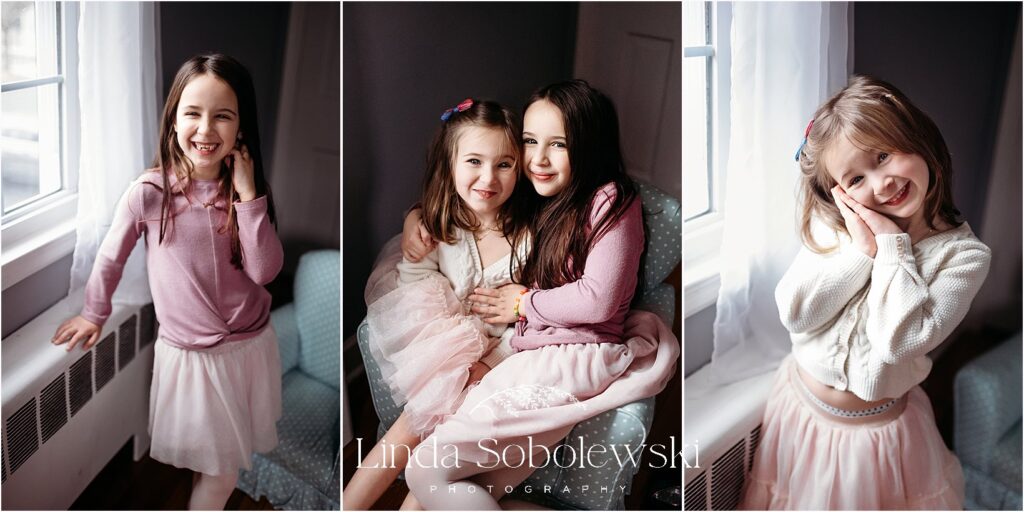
x: 482, y: 232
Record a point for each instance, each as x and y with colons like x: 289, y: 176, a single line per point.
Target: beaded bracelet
x: 515, y: 307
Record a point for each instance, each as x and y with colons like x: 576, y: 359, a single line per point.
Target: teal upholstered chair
x: 626, y: 425
x: 987, y: 427
x: 303, y: 472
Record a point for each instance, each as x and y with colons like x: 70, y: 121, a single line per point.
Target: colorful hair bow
x: 461, y: 107
x: 802, y: 144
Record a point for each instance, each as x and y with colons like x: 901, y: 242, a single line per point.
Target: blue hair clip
x: 461, y: 107
x: 802, y: 144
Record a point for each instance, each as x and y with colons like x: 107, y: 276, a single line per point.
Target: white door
x: 633, y: 52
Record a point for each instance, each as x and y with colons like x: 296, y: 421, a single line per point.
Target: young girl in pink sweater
x: 571, y: 361
x: 207, y: 216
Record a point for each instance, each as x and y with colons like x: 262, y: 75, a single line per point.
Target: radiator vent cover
x: 696, y: 496
x: 728, y: 474
x: 105, y: 355
x: 755, y: 440
x: 53, y: 407
x: 727, y: 478
x: 22, y: 434
x: 126, y: 342
x: 80, y: 382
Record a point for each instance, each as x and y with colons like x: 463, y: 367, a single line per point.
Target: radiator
x: 66, y: 414
x: 723, y: 429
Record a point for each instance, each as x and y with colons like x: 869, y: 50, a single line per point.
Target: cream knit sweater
x: 865, y: 325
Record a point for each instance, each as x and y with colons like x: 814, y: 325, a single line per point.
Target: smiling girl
x: 846, y: 425
x: 422, y: 334
x: 207, y: 216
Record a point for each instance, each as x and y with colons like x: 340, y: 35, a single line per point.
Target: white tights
x: 211, y: 492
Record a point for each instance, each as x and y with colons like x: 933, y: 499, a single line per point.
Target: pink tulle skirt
x: 211, y: 409
x: 811, y: 459
x: 424, y: 345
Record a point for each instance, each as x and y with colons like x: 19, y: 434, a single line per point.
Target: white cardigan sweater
x: 865, y: 325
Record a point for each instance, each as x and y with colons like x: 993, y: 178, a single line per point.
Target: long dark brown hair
x: 874, y: 115
x: 559, y: 245
x: 170, y: 158
x: 443, y: 209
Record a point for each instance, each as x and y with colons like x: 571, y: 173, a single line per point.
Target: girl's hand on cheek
x: 496, y: 306
x: 863, y: 237
x: 416, y: 241
x: 878, y: 224
x: 242, y: 172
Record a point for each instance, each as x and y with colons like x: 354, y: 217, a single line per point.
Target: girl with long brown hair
x: 207, y: 216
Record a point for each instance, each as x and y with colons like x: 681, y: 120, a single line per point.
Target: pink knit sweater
x: 593, y: 308
x: 201, y: 299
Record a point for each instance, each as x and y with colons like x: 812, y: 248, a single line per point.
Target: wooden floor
x: 148, y: 485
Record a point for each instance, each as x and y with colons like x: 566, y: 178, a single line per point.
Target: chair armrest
x: 987, y: 402
x: 283, y: 319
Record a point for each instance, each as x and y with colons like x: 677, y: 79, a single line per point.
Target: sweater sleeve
x: 910, y: 316
x: 816, y: 288
x: 409, y: 271
x: 125, y: 229
x: 609, y: 276
x: 262, y: 254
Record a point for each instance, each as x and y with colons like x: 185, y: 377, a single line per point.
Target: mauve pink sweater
x: 201, y: 299
x: 593, y: 308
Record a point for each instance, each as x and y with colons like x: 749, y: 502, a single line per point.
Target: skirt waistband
x: 224, y: 346
x: 878, y: 415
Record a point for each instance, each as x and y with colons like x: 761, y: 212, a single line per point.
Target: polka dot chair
x: 597, y: 486
x: 303, y: 472
x: 987, y: 427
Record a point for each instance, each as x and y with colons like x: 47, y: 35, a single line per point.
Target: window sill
x: 36, y: 241
x: 703, y: 244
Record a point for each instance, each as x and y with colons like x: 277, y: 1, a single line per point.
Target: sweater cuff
x: 499, y: 353
x: 892, y: 248
x: 258, y: 205
x: 96, y: 319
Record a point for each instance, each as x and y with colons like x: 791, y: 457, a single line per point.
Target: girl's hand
x: 496, y: 306
x: 863, y: 237
x: 242, y: 173
x: 74, y: 330
x: 416, y: 242
x: 878, y: 224
x: 477, y: 371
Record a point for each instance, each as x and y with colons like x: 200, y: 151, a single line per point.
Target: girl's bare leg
x: 211, y: 492
x: 380, y: 467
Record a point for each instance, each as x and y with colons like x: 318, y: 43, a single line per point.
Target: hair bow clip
x: 807, y: 132
x: 461, y: 107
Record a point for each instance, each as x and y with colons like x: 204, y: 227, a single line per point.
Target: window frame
x: 42, y: 232
x: 703, y: 234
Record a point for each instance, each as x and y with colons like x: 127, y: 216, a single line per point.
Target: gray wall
x: 404, y: 64
x: 952, y: 61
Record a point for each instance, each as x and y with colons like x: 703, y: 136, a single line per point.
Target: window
x: 38, y: 135
x: 705, y: 144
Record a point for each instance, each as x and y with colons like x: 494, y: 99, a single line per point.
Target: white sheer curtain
x: 786, y: 59
x: 117, y: 97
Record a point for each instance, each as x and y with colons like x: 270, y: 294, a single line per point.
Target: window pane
x: 30, y: 145
x: 696, y: 121
x: 29, y: 40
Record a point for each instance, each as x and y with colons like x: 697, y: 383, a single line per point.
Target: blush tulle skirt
x: 811, y: 459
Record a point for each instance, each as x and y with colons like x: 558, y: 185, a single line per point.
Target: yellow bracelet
x: 515, y: 307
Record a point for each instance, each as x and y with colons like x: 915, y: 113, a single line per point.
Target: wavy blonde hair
x: 872, y: 114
